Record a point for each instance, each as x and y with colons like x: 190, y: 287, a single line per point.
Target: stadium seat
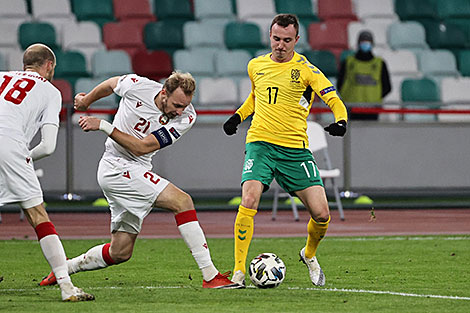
x: 125, y: 36
x: 239, y: 35
x: 217, y: 92
x: 444, y: 36
x: 100, y: 12
x: 65, y: 89
x: 14, y: 12
x: 324, y: 60
x: 110, y: 63
x: 264, y: 25
x: 202, y: 34
x: 458, y: 9
x: 213, y: 10
x: 416, y: 10
x: 407, y: 35
x: 454, y: 95
x: 394, y: 97
x: 137, y: 11
x: 71, y: 65
x: 232, y: 63
x: 84, y: 37
x: 330, y: 36
x: 87, y: 84
x: 437, y: 63
x: 419, y: 90
x: 9, y: 37
x: 173, y: 10
x: 373, y: 10
x: 257, y: 9
x: 463, y: 62
x: 14, y: 59
x: 156, y: 36
x: 42, y: 9
x: 155, y: 65
x: 339, y: 10
x: 196, y: 62
x: 420, y: 93
x: 301, y: 8
x: 319, y: 147
x: 401, y: 63
x: 29, y: 33
x: 378, y: 30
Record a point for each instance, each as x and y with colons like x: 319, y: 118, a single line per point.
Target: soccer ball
x: 267, y: 270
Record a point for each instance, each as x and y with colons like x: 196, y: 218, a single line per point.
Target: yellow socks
x: 316, y: 232
x: 244, y: 224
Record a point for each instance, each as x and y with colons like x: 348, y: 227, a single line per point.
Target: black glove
x: 230, y: 126
x: 337, y: 129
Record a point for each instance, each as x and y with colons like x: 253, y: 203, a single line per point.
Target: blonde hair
x: 183, y: 80
x: 36, y: 55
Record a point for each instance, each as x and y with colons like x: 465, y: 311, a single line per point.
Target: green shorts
x: 293, y: 169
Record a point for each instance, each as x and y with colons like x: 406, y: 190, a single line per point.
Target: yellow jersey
x: 281, y: 97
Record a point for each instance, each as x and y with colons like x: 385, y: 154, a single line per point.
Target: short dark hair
x: 285, y: 20
x: 37, y: 54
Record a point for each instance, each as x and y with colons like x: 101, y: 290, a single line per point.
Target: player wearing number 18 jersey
x: 283, y: 86
x: 29, y: 103
x: 151, y: 116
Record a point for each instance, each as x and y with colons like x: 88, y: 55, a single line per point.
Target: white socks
x: 55, y: 255
x: 195, y: 240
x: 91, y: 260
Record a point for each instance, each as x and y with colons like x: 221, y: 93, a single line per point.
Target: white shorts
x: 18, y: 181
x: 131, y: 190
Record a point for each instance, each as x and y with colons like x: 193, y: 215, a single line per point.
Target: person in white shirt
x: 29, y: 103
x: 151, y: 116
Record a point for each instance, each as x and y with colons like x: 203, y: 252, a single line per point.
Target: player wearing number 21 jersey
x: 151, y: 116
x: 29, y: 103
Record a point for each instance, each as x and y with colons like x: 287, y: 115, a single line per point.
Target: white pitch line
x: 403, y: 294
x: 392, y: 238
x: 382, y: 292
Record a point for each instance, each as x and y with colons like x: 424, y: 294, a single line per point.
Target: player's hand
x: 337, y: 129
x: 231, y: 125
x: 88, y: 123
x: 79, y: 103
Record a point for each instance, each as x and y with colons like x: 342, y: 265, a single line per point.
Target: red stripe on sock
x: 45, y: 229
x: 106, y: 256
x: 186, y: 217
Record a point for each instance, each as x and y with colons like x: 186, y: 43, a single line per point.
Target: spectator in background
x: 363, y: 77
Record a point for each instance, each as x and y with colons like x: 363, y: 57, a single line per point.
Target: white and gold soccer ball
x: 267, y: 270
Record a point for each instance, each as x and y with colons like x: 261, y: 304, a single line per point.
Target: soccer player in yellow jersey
x: 283, y: 83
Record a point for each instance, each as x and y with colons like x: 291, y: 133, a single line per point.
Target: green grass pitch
x: 367, y: 274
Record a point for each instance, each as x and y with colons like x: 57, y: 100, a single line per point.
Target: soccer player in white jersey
x: 29, y: 102
x: 151, y: 116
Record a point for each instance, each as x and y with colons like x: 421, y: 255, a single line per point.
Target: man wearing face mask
x: 363, y: 77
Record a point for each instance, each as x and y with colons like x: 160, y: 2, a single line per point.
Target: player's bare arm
x: 135, y: 145
x: 83, y: 100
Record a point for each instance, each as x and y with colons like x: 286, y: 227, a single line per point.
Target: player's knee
x: 250, y: 201
x: 183, y: 202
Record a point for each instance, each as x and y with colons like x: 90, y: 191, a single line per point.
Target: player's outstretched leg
x: 193, y: 236
x: 96, y: 258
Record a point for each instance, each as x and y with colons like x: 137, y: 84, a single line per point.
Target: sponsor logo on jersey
x: 174, y: 132
x: 163, y: 119
x: 327, y: 90
x: 139, y: 104
x: 259, y: 73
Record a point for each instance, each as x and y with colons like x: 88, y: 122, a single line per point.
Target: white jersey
x: 139, y: 116
x: 27, y: 102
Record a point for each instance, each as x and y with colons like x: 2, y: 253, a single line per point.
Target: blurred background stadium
x: 415, y: 155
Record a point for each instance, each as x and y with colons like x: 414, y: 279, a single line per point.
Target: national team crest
x: 164, y: 119
x: 295, y: 74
